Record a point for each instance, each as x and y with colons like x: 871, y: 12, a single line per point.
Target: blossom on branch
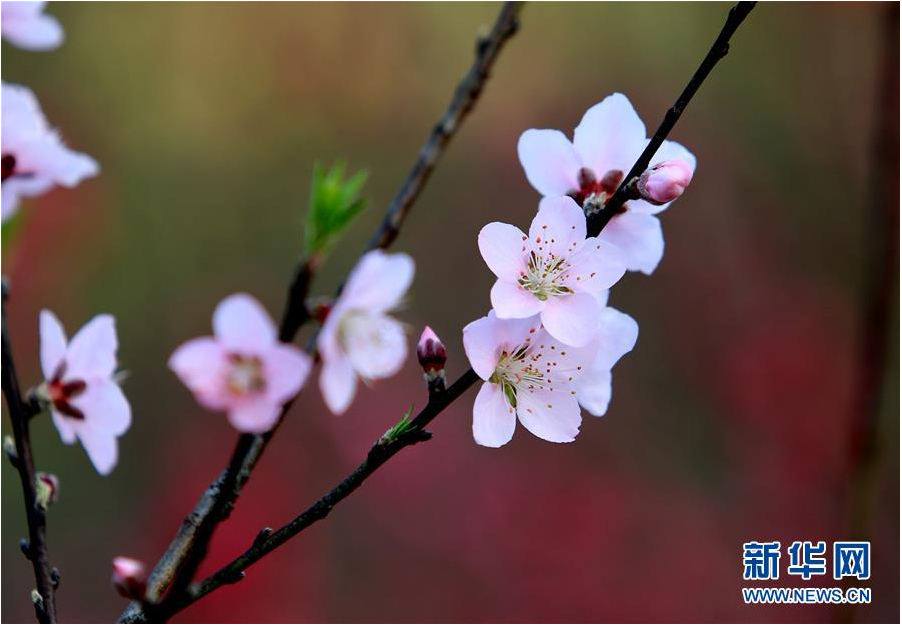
x: 555, y: 271
x: 25, y: 25
x: 242, y: 369
x: 528, y: 375
x: 86, y: 402
x: 606, y: 144
x: 617, y: 334
x: 34, y: 157
x: 359, y: 338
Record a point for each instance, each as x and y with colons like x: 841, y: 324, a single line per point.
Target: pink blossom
x: 86, y: 402
x: 129, y: 577
x: 617, y: 335
x: 605, y: 146
x: 24, y: 24
x: 528, y: 376
x: 665, y: 181
x: 34, y: 157
x: 243, y: 369
x: 555, y: 271
x: 359, y: 338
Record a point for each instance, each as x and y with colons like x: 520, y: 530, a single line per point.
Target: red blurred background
x: 731, y: 421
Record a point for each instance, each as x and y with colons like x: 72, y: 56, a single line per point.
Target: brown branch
x: 880, y: 277
x: 383, y: 450
x: 178, y: 565
x: 35, y: 549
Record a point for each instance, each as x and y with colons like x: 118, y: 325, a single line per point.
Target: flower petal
x: 593, y: 390
x: 376, y: 345
x: 571, y: 319
x: 64, y: 425
x: 255, y: 414
x: 105, y: 407
x: 286, y: 369
x: 617, y: 336
x: 639, y: 238
x: 338, y: 384
x: 554, y: 417
x: 503, y: 247
x: 550, y: 161
x: 242, y: 325
x: 610, y: 136
x: 102, y: 448
x: 25, y: 26
x: 595, y: 267
x: 53, y: 344
x: 493, y: 418
x: 482, y: 344
x: 92, y: 351
x: 378, y: 283
x: 559, y: 227
x: 201, y: 366
x: 512, y: 301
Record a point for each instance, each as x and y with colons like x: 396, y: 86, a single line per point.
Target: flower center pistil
x: 518, y: 371
x: 61, y: 393
x: 245, y: 374
x: 594, y: 193
x: 544, y: 275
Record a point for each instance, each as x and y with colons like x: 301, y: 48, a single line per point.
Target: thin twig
x: 719, y: 49
x: 382, y: 451
x: 880, y: 276
x: 36, y: 547
x: 179, y: 564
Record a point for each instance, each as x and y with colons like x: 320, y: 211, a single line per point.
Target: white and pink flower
x: 359, y: 338
x: 242, y: 369
x: 606, y: 144
x: 24, y: 24
x: 528, y: 375
x: 86, y: 402
x: 617, y: 334
x: 34, y: 158
x: 554, y: 271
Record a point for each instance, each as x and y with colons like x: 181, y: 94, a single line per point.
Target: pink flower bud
x: 130, y: 578
x: 665, y: 182
x: 47, y: 489
x: 431, y: 352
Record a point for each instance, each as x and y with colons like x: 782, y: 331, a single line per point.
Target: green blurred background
x: 730, y: 420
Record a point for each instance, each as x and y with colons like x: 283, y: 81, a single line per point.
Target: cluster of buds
x: 664, y: 182
x: 130, y: 578
x: 432, y: 356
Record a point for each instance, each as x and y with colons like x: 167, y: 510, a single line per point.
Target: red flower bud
x: 431, y: 352
x: 130, y: 578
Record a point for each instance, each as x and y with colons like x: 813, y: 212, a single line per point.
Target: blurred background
x: 732, y: 419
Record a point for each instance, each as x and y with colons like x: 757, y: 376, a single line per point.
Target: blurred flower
x: 527, y: 373
x: 130, y: 577
x: 359, y: 338
x: 86, y: 402
x: 24, y: 24
x: 665, y: 181
x: 605, y: 145
x: 34, y: 157
x: 555, y: 272
x: 617, y: 335
x: 243, y: 369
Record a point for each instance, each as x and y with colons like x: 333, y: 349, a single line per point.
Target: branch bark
x: 382, y: 451
x: 35, y: 549
x: 177, y: 567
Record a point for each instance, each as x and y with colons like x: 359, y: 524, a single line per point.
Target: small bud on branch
x: 664, y: 182
x: 130, y: 578
x: 432, y: 357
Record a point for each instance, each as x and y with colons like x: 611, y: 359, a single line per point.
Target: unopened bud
x: 47, y: 489
x: 9, y: 448
x: 432, y: 356
x: 664, y: 182
x: 130, y: 578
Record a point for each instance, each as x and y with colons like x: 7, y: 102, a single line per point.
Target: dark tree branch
x: 384, y: 449
x: 179, y: 564
x: 35, y: 549
x: 719, y: 49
